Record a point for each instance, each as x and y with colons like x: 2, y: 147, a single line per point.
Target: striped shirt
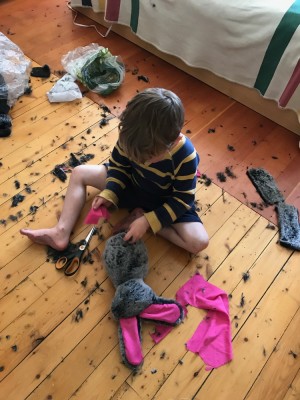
x: 171, y: 180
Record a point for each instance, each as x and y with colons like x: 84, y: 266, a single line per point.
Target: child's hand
x: 100, y: 201
x: 137, y: 229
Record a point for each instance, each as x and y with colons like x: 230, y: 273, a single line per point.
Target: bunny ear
x: 130, y: 342
x: 168, y: 313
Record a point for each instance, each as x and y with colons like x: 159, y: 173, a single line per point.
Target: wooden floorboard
x: 46, y: 352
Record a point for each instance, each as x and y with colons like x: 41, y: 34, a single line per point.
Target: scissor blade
x: 89, y: 235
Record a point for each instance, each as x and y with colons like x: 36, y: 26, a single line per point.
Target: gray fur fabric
x: 127, y: 265
x: 131, y: 298
x: 265, y: 185
x: 289, y: 227
x: 124, y: 261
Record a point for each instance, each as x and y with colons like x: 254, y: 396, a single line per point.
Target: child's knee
x: 203, y: 243
x: 199, y: 243
x: 78, y: 172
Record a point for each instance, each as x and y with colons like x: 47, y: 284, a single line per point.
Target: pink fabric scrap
x: 131, y: 340
x: 169, y: 313
x: 93, y: 215
x: 212, y: 338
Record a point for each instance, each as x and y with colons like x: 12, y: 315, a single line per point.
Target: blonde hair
x: 151, y: 121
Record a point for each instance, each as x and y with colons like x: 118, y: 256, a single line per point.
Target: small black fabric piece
x: 41, y: 72
x: 265, y: 185
x: 289, y: 228
x: 5, y: 121
x: 74, y: 162
x: 60, y: 173
x: 3, y: 88
x: 4, y: 107
x: 18, y: 198
x: 5, y: 125
x: 5, y: 132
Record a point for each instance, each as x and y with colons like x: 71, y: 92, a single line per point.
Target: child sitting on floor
x: 152, y: 171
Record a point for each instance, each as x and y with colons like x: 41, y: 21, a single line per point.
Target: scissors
x: 70, y: 264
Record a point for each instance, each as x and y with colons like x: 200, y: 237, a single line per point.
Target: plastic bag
x: 65, y: 89
x: 95, y: 67
x: 14, y: 69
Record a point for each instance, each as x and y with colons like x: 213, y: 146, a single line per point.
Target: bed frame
x: 247, y: 96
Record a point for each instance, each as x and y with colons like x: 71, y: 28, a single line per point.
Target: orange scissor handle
x: 61, y: 263
x: 73, y: 266
x: 70, y: 266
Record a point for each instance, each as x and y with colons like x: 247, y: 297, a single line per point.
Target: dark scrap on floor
x: 288, y: 215
x: 265, y: 185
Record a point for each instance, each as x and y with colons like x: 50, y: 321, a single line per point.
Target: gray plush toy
x: 127, y: 266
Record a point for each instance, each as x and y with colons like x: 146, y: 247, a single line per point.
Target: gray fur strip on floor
x: 288, y: 216
x: 265, y: 185
x: 289, y: 228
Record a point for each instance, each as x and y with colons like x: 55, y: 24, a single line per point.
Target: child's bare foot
x: 125, y: 223
x: 51, y: 237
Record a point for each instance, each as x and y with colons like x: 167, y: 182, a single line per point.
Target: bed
x: 249, y: 50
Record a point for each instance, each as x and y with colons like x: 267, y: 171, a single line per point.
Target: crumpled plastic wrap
x: 15, y: 70
x: 95, y: 67
x: 65, y: 89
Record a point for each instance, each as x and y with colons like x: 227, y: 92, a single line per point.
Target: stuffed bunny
x: 127, y: 266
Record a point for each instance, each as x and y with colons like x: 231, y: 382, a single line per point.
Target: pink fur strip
x: 169, y: 313
x: 212, y: 338
x: 131, y: 340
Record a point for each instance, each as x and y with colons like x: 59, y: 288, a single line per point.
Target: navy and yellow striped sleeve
x: 183, y: 193
x: 118, y: 175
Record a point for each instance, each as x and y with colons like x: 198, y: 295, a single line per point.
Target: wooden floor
x: 46, y: 350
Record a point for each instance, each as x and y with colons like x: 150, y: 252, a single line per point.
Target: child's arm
x: 118, y: 175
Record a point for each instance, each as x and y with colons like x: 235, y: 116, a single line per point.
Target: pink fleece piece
x: 131, y: 339
x: 93, y: 216
x: 169, y: 313
x: 212, y: 338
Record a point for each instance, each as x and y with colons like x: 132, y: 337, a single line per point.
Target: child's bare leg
x: 191, y: 236
x: 58, y: 236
